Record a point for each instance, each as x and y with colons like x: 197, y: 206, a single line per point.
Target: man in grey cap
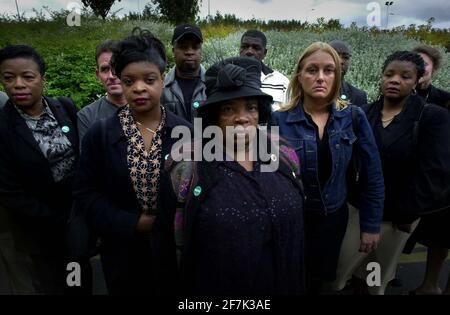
x: 3, y: 98
x: 184, y: 86
x: 348, y: 92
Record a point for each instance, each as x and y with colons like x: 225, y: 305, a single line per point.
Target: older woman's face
x: 399, y: 79
x: 243, y: 115
x: 22, y: 81
x: 317, y: 75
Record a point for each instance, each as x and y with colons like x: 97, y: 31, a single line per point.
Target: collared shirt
x: 52, y: 141
x: 144, y: 166
x: 275, y: 84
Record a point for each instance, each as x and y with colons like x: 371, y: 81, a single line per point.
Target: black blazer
x: 104, y: 191
x: 37, y: 206
x: 417, y: 177
x: 353, y: 95
x: 436, y: 96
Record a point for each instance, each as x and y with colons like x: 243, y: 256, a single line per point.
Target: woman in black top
x: 121, y: 184
x: 240, y: 216
x: 38, y: 153
x: 414, y: 143
x: 432, y: 230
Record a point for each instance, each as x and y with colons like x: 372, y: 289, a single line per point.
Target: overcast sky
x: 401, y: 12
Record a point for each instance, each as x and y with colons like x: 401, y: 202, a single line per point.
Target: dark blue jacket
x: 296, y: 129
x: 104, y: 191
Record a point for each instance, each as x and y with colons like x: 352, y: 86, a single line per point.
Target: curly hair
x: 142, y: 45
x: 408, y: 56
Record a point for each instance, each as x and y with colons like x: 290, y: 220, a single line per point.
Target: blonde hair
x: 294, y: 90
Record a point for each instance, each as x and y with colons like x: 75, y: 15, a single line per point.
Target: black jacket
x: 37, y: 206
x: 104, y: 191
x: 417, y: 177
x: 352, y: 94
x: 436, y: 96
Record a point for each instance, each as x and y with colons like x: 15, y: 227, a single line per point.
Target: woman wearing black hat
x: 242, y: 226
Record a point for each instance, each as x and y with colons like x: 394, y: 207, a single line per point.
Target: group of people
x: 354, y: 182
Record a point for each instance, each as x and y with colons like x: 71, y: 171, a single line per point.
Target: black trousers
x: 323, y: 240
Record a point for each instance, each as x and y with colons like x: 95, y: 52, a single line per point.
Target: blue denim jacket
x: 296, y: 129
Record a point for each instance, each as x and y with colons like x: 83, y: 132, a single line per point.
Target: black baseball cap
x: 184, y: 29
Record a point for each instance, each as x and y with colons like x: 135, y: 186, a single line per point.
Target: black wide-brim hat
x: 231, y: 79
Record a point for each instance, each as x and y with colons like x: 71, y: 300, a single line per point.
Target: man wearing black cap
x: 184, y: 86
x: 348, y: 92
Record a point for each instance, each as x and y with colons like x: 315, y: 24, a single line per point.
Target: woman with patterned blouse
x: 38, y: 154
x: 120, y: 183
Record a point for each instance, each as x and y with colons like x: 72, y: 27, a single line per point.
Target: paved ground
x: 410, y: 272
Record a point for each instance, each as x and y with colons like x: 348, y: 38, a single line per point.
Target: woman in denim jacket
x: 318, y: 126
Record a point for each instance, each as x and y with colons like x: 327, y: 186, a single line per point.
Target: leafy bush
x: 69, y: 51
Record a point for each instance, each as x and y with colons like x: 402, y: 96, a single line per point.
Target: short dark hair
x: 256, y: 34
x: 108, y: 46
x: 23, y: 51
x: 142, y: 45
x: 431, y: 52
x: 407, y: 56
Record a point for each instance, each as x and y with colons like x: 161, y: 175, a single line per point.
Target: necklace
x: 148, y: 129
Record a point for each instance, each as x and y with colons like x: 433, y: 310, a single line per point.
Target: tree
x: 178, y: 11
x: 100, y: 7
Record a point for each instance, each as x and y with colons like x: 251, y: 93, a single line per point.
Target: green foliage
x: 177, y: 12
x: 100, y: 7
x: 69, y: 51
x: 369, y: 51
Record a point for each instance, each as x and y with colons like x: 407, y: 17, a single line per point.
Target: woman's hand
x: 145, y: 223
x: 369, y: 242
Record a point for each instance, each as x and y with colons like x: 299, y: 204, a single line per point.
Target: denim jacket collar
x: 297, y: 114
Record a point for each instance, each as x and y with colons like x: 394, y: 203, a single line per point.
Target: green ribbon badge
x: 196, y: 104
x: 197, y: 191
x: 166, y: 157
x: 65, y: 129
x: 343, y: 97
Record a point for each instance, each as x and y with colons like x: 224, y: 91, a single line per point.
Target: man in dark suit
x: 348, y: 92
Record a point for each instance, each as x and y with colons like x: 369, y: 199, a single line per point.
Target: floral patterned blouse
x: 144, y: 166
